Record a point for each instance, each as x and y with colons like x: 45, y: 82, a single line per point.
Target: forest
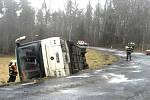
x: 112, y: 25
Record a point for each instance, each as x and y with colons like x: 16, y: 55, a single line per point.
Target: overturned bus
x: 51, y: 57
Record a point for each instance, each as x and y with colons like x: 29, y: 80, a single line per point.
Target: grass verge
x: 4, y: 74
x: 97, y: 59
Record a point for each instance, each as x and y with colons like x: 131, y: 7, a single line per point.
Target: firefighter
x: 12, y: 71
x: 129, y: 50
x: 133, y: 46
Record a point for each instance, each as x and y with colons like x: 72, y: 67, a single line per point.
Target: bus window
x: 63, y: 46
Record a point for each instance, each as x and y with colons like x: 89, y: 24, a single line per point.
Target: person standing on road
x: 12, y: 71
x: 129, y: 50
x: 132, y: 45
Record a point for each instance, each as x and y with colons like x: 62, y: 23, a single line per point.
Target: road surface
x: 121, y: 81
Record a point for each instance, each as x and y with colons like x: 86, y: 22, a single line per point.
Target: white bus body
x: 53, y: 57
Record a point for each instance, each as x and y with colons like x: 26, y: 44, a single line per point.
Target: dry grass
x: 4, y: 74
x: 97, y: 59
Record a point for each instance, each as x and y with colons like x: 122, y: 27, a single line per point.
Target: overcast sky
x: 59, y: 4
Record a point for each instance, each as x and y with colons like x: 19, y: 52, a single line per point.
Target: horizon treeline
x: 114, y: 25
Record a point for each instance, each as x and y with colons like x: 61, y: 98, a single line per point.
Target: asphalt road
x: 125, y: 80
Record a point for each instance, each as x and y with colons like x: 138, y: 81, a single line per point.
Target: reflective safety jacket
x: 129, y: 48
x: 12, y: 68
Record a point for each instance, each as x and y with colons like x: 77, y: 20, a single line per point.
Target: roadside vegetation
x: 112, y: 24
x: 4, y: 73
x: 4, y: 61
x: 97, y: 59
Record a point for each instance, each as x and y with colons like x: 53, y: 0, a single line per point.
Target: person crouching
x: 12, y: 71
